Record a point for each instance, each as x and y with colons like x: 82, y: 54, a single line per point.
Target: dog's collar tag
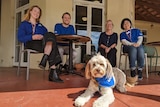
x: 105, y: 82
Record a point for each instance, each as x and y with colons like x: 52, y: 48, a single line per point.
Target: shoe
x: 66, y: 67
x: 140, y: 77
x: 133, y: 73
x: 54, y: 77
x: 43, y: 62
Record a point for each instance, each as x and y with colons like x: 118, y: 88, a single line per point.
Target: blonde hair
x: 109, y: 21
x: 28, y: 15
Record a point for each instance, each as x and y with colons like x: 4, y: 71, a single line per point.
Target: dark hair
x: 65, y: 14
x: 125, y: 19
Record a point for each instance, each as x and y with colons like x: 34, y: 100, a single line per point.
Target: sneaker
x: 140, y: 77
x: 133, y: 73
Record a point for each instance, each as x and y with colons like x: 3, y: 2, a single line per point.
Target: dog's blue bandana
x: 105, y: 82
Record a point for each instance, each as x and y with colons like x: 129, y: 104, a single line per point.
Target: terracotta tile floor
x: 39, y: 92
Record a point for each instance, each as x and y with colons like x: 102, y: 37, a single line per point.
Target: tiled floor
x: 39, y: 92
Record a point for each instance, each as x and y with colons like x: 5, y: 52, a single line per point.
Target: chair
x: 151, y: 53
x: 29, y: 51
x: 126, y: 55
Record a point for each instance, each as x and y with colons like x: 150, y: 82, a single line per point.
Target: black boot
x: 133, y: 73
x: 53, y: 76
x: 43, y: 62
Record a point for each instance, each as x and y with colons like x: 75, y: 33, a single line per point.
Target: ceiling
x: 147, y: 10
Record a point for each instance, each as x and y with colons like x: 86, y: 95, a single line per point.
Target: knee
x: 50, y: 36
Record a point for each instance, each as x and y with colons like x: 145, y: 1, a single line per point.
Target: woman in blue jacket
x: 131, y: 39
x: 35, y: 36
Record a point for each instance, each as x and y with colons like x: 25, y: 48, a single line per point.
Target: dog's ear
x: 109, y: 70
x: 87, y: 70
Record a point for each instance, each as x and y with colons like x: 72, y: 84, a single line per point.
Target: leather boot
x: 43, y: 62
x: 53, y: 76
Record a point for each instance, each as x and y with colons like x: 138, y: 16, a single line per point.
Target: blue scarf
x: 105, y: 82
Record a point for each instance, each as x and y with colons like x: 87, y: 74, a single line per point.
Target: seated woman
x: 35, y: 36
x: 107, y: 43
x: 131, y: 39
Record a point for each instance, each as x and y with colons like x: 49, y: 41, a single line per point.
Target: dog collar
x: 105, y: 82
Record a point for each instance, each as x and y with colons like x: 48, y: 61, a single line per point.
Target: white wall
x: 7, y: 33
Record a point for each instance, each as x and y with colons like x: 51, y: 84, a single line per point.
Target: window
x: 89, y: 19
x: 21, y: 3
x: 21, y: 8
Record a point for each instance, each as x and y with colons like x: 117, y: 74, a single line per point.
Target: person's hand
x: 136, y: 45
x: 107, y: 49
x: 37, y: 37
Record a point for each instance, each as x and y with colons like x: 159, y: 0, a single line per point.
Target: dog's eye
x: 102, y: 64
x: 94, y: 64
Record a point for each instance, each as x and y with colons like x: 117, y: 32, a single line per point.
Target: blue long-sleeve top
x: 133, y: 37
x: 25, y: 31
x: 59, y: 29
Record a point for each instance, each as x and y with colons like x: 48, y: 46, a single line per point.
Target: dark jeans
x: 111, y: 55
x: 38, y: 45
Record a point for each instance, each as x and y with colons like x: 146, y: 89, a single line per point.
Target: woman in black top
x: 107, y: 43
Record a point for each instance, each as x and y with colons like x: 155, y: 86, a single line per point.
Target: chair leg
x: 120, y: 61
x: 146, y: 62
x: 28, y: 64
x: 125, y: 64
x: 150, y: 65
x: 19, y: 63
x: 156, y: 64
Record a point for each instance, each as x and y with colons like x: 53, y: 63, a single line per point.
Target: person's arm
x: 125, y: 42
x: 22, y: 36
x: 140, y: 40
x: 115, y: 41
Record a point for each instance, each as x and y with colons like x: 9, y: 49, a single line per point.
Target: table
x: 72, y: 39
x: 155, y: 43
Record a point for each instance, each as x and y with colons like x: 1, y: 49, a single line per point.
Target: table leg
x: 71, y: 70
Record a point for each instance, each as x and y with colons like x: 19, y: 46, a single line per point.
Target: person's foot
x: 66, y: 67
x: 54, y: 77
x: 140, y: 77
x: 133, y: 73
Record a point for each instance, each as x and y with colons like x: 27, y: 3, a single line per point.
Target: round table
x: 156, y: 43
x: 72, y: 39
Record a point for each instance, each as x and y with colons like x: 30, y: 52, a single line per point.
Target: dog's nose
x: 98, y: 70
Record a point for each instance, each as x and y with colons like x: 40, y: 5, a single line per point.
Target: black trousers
x: 39, y: 45
x: 111, y: 55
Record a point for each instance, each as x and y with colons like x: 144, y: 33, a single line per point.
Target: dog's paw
x: 122, y: 89
x: 100, y: 104
x: 79, y: 102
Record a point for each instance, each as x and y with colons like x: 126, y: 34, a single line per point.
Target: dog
x: 99, y: 68
x: 102, y: 79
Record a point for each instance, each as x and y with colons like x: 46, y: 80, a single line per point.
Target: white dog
x: 102, y: 79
